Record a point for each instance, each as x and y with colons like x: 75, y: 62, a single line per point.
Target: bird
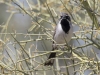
x: 62, y: 34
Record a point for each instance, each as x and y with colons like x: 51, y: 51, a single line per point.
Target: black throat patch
x: 65, y: 25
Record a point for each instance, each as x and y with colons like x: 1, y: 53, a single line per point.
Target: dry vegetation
x: 27, y: 55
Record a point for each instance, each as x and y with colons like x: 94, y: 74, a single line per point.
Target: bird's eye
x: 61, y: 16
x: 67, y: 17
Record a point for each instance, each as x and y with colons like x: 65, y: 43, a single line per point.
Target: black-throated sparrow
x: 63, y: 34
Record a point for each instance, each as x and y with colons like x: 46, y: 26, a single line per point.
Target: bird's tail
x: 50, y: 61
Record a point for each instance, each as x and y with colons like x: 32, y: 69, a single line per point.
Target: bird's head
x: 65, y: 16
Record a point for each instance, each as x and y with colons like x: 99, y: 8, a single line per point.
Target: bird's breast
x: 61, y: 37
